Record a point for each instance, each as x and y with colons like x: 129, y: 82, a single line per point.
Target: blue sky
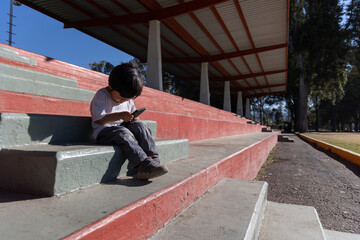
x: 38, y: 33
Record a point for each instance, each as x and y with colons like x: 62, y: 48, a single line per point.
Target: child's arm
x: 112, y: 117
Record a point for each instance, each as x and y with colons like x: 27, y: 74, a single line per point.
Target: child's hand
x: 126, y: 116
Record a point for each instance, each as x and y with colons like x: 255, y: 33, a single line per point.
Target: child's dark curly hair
x: 127, y: 80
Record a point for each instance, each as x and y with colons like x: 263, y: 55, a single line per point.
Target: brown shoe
x: 149, y: 171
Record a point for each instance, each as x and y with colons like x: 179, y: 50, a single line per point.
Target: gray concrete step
x: 232, y: 209
x: 52, y: 151
x: 295, y: 222
x: 14, y: 55
x: 14, y: 84
x: 49, y: 170
x: 29, y: 129
x: 284, y: 138
x: 335, y: 235
x: 13, y: 72
x: 266, y: 129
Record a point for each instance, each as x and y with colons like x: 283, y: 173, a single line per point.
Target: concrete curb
x: 343, y: 153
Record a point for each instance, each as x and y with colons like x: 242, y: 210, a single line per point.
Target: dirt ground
x: 300, y: 173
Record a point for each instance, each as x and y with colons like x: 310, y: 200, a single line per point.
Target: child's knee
x: 139, y: 125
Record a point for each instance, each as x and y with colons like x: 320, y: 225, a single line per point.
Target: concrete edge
x: 253, y: 230
x: 18, y: 58
x: 15, y: 73
x: 343, y: 153
x: 187, y: 189
x: 42, y: 88
x: 319, y: 221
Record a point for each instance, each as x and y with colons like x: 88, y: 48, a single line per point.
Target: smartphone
x: 137, y: 112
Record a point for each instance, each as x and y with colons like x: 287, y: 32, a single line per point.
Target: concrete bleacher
x: 57, y: 155
x: 45, y: 149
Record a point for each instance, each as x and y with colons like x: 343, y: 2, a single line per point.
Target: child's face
x: 115, y: 95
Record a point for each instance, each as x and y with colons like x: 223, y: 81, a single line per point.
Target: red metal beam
x: 246, y: 28
x: 240, y: 77
x: 264, y: 94
x: 261, y: 87
x: 252, y: 75
x: 243, y: 89
x: 212, y: 39
x: 156, y: 14
x: 183, y: 34
x: 224, y: 56
x: 228, y: 34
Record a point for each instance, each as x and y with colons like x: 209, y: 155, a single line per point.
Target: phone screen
x: 137, y: 112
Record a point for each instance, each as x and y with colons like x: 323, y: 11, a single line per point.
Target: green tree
x: 318, y: 44
x: 102, y: 66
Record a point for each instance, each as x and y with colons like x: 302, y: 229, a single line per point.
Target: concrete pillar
x: 239, y: 107
x: 204, y: 84
x: 227, y: 98
x: 247, y: 109
x: 154, y: 65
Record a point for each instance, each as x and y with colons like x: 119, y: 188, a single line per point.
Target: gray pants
x: 134, y: 139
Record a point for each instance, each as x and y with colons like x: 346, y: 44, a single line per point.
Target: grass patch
x: 349, y: 141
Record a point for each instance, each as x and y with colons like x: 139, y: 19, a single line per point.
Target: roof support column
x: 247, y: 109
x: 154, y: 64
x: 204, y: 84
x: 239, y: 107
x: 227, y: 98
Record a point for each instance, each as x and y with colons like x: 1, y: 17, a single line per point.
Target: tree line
x: 323, y: 65
x: 323, y: 87
x: 323, y: 82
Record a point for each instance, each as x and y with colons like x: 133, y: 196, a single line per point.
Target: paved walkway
x: 300, y: 173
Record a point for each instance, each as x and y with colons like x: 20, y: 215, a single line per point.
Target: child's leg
x: 121, y: 136
x: 143, y: 135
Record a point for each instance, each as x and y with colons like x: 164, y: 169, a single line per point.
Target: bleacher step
x: 284, y: 138
x: 335, y: 235
x: 266, y: 129
x: 287, y: 221
x: 30, y: 86
x: 29, y: 129
x: 14, y: 55
x: 49, y: 170
x: 47, y: 154
x: 22, y: 73
x: 232, y: 209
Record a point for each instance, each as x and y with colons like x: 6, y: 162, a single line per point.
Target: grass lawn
x: 349, y: 141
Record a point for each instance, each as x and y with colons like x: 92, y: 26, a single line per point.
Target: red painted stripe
x: 86, y: 78
x: 195, y: 129
x: 27, y: 103
x: 144, y: 217
x: 170, y: 125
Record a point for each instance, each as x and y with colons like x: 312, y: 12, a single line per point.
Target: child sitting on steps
x: 113, y: 122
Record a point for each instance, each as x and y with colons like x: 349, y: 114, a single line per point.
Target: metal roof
x: 244, y: 41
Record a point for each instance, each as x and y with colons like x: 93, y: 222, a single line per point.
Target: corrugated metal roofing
x: 244, y: 41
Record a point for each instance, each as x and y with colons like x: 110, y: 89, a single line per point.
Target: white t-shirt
x: 103, y: 104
